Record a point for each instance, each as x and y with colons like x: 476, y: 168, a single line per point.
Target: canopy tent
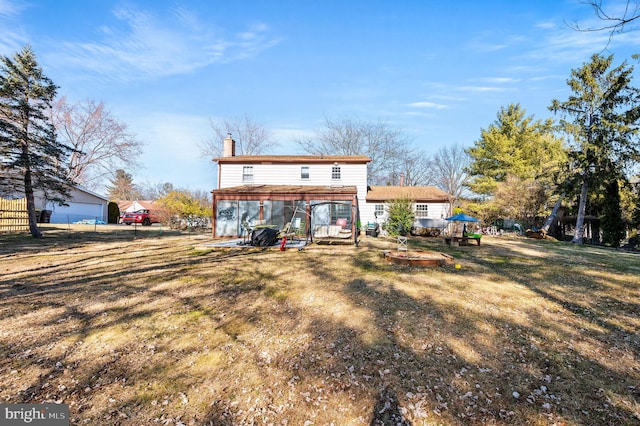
x: 461, y: 217
x: 134, y: 207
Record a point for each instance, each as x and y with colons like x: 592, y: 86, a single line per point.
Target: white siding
x: 289, y: 174
x: 367, y: 210
x: 81, y: 205
x: 438, y: 210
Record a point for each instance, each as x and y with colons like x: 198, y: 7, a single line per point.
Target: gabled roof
x: 287, y: 189
x: 415, y: 193
x: 95, y: 194
x: 293, y: 159
x: 17, y: 190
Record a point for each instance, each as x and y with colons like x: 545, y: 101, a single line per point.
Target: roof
x: 145, y: 204
x: 95, y: 194
x: 293, y: 159
x: 416, y: 193
x: 17, y: 191
x: 287, y: 189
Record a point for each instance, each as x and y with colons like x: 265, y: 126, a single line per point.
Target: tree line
x: 517, y: 168
x: 520, y: 166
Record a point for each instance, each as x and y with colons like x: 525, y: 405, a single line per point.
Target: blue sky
x: 438, y: 70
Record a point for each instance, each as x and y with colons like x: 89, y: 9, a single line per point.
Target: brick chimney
x: 401, y: 179
x: 229, y: 147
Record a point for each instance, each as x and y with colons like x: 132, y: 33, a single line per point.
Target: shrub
x: 400, y: 217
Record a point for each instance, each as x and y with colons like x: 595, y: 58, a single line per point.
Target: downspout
x: 355, y: 224
x: 213, y: 214
x: 308, y: 219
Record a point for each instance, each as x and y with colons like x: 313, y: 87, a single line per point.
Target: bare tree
x: 155, y: 190
x: 100, y: 142
x: 450, y: 174
x: 615, y: 19
x: 415, y: 168
x: 385, y: 146
x: 251, y: 137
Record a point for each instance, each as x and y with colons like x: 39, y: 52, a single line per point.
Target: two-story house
x: 312, y: 191
x: 308, y: 189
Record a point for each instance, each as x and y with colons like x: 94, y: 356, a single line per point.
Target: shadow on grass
x: 323, y: 334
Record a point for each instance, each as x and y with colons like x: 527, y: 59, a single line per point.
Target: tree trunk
x: 582, y: 207
x: 553, y: 215
x: 31, y: 205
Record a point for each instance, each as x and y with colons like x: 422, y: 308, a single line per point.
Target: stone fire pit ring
x: 417, y: 258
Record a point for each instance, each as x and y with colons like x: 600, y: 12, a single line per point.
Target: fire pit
x: 418, y: 258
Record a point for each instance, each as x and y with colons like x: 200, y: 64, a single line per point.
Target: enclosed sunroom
x: 310, y: 208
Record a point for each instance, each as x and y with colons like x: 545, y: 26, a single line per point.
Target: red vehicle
x: 141, y: 216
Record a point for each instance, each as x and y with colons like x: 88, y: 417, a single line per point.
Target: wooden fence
x: 13, y: 215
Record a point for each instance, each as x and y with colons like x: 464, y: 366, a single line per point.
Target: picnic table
x: 464, y: 240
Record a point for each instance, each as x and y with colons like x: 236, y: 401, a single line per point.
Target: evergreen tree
x: 613, y: 228
x: 400, y: 217
x: 31, y: 158
x: 514, y: 145
x: 602, y: 124
x: 122, y: 187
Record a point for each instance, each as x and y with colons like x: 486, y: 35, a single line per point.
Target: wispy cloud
x: 10, y: 8
x: 489, y: 42
x: 146, y: 46
x: 499, y: 80
x: 13, y: 39
x: 561, y: 44
x: 428, y: 105
x: 481, y: 89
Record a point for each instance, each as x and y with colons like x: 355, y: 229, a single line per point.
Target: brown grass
x: 160, y: 330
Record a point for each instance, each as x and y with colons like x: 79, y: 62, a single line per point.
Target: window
x: 379, y: 210
x: 304, y: 172
x: 422, y: 210
x: 247, y: 173
x: 335, y: 173
x: 341, y: 214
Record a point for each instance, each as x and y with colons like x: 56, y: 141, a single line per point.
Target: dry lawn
x: 158, y: 330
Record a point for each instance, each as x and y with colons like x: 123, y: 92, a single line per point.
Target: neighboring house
x: 431, y: 205
x: 82, y: 204
x: 134, y: 206
x: 314, y: 191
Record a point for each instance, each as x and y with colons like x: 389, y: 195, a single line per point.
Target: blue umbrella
x: 461, y: 217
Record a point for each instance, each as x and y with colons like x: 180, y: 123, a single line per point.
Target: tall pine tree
x: 31, y: 157
x: 601, y: 119
x: 122, y: 187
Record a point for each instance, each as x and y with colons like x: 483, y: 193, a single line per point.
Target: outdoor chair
x: 287, y: 232
x: 246, y: 232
